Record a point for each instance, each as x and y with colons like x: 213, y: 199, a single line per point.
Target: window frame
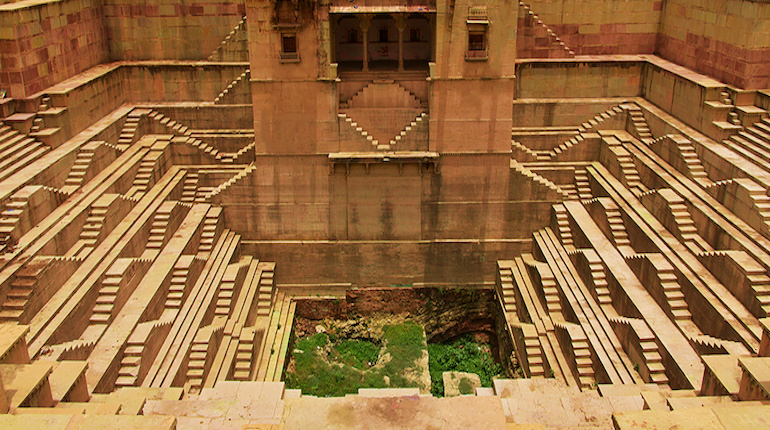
x: 285, y: 56
x: 477, y: 51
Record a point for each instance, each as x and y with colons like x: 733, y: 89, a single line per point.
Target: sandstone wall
x: 589, y: 79
x: 470, y: 115
x: 452, y: 39
x: 727, y: 39
x: 168, y: 29
x: 176, y: 81
x: 681, y: 93
x: 44, y: 43
x: 596, y: 27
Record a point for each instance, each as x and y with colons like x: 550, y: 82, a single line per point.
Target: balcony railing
x: 289, y: 57
x: 476, y: 54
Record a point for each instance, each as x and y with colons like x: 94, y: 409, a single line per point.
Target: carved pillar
x: 365, y: 21
x: 400, y: 25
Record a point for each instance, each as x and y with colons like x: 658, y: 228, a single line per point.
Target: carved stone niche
x: 290, y: 12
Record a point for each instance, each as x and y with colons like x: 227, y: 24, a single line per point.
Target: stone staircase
x: 210, y: 153
x: 34, y: 283
x: 244, y: 355
x: 732, y: 116
x: 272, y: 355
x: 382, y: 93
x: 180, y: 285
x: 550, y: 291
x: 169, y: 125
x: 230, y: 96
x: 16, y: 300
x: 616, y: 225
x: 47, y: 114
x: 638, y: 124
x: 597, y: 278
x: 523, y: 153
x: 582, y: 185
x: 382, y: 115
x: 595, y: 123
x: 78, y: 174
x: 536, y: 39
x: 630, y: 175
x: 104, y: 214
x: 234, y: 47
x: 73, y: 349
x: 26, y: 208
x: 17, y: 150
x: 576, y: 345
x: 643, y: 340
x: 752, y: 142
x: 131, y: 130
x: 673, y: 213
x: 166, y: 220
x: 229, y: 287
x: 266, y: 294
x: 658, y: 275
x: 414, y: 136
x: 746, y: 278
x: 745, y: 198
x: 190, y: 187
x: 672, y: 290
x: 151, y: 168
x: 222, y: 188
x: 527, y: 339
x: 539, y: 180
x: 211, y: 229
x: 118, y: 283
x: 562, y: 226
x: 506, y: 294
x: 202, y: 353
x: 139, y: 350
x: 353, y: 128
x: 246, y: 152
x: 710, y: 345
x: 92, y: 229
x: 536, y: 366
x: 680, y: 153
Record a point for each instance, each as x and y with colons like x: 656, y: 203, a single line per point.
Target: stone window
x: 478, y: 29
x: 352, y: 35
x: 289, y: 52
x: 477, y: 45
x: 384, y: 34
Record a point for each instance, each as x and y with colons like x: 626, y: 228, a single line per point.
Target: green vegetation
x: 466, y: 386
x: 405, y: 344
x: 360, y: 354
x: 464, y: 355
x: 324, y: 365
x: 315, y: 375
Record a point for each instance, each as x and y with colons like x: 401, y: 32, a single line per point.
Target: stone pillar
x: 365, y: 21
x: 400, y: 25
x: 3, y: 398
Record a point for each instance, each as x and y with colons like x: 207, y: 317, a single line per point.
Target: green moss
x: 405, y: 343
x: 465, y: 386
x: 325, y: 366
x: 313, y: 342
x: 360, y: 354
x: 463, y: 355
x: 315, y: 375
